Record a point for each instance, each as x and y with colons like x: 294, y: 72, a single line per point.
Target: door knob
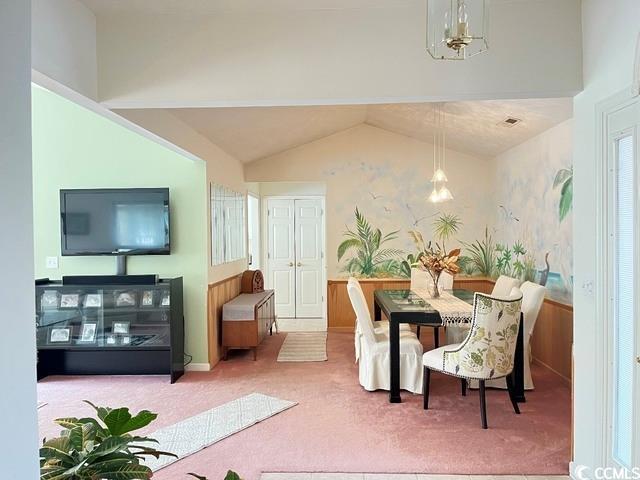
x: 299, y: 264
x: 291, y: 264
x: 638, y: 359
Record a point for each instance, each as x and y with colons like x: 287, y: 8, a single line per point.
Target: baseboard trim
x: 548, y: 367
x: 198, y: 367
x: 302, y: 325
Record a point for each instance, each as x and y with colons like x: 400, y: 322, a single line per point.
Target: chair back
x: 532, y: 299
x: 489, y: 349
x: 503, y: 286
x: 420, y: 280
x: 363, y: 317
x: 354, y: 281
x: 446, y: 281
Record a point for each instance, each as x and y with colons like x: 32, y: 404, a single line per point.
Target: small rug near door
x: 195, y: 433
x: 304, y: 347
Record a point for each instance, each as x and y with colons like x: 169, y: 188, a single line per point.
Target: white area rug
x: 304, y: 347
x: 195, y: 433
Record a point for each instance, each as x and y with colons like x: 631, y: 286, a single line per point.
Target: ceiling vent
x: 509, y: 122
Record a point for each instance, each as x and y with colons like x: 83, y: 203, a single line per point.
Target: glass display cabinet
x: 110, y: 329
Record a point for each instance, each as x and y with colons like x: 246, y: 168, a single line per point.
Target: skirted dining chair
x: 488, y: 351
x: 503, y: 286
x: 381, y: 326
x: 373, y: 365
x: 421, y: 280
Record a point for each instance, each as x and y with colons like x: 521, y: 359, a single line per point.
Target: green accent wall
x: 76, y: 148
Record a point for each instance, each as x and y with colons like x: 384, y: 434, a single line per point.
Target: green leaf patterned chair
x: 487, y: 352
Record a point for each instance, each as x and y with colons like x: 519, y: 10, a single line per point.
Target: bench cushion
x: 242, y: 308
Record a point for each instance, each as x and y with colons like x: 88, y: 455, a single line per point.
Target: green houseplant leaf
x: 232, y: 476
x: 99, y: 449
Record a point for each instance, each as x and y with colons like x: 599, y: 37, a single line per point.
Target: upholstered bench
x: 246, y: 320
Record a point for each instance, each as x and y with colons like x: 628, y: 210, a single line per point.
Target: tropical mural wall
x: 527, y: 237
x: 510, y: 214
x: 534, y: 194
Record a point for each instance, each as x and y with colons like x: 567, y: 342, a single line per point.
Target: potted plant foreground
x: 102, y: 448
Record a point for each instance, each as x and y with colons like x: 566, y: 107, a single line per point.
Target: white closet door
x: 624, y: 279
x: 281, y: 255
x: 309, y: 239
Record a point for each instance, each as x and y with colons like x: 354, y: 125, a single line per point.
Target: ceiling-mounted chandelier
x: 439, y: 179
x: 457, y: 29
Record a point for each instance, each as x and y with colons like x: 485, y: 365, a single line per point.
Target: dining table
x: 406, y: 306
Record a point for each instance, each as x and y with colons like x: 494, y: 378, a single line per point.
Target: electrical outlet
x: 52, y: 262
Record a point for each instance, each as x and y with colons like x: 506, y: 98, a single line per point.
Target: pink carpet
x: 337, y: 426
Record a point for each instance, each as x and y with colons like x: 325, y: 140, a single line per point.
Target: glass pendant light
x: 439, y: 179
x: 439, y: 176
x: 444, y: 194
x: 435, y: 196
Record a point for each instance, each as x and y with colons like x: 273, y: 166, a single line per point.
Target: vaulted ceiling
x: 473, y: 127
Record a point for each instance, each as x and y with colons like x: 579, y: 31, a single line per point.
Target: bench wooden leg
x: 255, y: 353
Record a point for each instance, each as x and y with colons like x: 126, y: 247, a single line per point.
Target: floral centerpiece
x: 434, y: 259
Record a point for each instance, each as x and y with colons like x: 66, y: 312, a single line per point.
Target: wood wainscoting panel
x: 552, y: 337
x: 339, y: 312
x: 218, y: 294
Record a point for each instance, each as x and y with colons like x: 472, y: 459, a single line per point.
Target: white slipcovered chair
x: 488, y: 351
x: 532, y: 299
x: 421, y: 280
x: 373, y: 365
x: 381, y: 326
x: 445, y: 282
x: 503, y: 286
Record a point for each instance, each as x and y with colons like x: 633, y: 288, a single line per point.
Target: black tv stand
x: 110, y: 325
x: 110, y: 280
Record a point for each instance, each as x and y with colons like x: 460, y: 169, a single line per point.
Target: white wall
x: 364, y: 162
x: 19, y: 443
x: 362, y: 55
x: 609, y: 33
x: 523, y: 186
x: 272, y: 189
x: 64, y: 44
x: 222, y: 168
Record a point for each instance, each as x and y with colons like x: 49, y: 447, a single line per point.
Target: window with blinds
x: 625, y: 309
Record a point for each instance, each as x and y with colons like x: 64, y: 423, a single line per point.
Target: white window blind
x: 626, y: 257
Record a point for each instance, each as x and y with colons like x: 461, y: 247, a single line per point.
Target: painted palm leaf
x: 564, y: 179
x: 369, y: 258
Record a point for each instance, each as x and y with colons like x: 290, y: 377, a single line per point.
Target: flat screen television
x: 115, y: 221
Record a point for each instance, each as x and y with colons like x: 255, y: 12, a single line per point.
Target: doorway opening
x: 294, y: 252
